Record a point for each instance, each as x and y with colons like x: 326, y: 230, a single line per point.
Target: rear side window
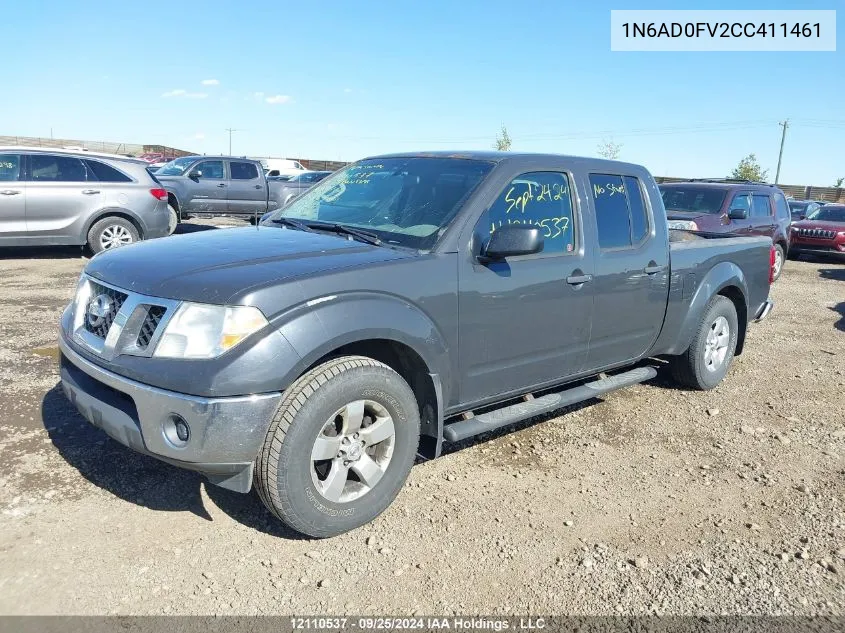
x: 621, y: 214
x: 760, y: 207
x: 540, y: 198
x: 10, y: 167
x: 48, y: 168
x: 105, y: 173
x: 243, y: 171
x: 781, y: 208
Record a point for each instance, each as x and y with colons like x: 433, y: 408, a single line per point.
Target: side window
x: 211, y: 169
x: 621, y: 214
x: 741, y: 201
x: 639, y: 215
x: 540, y: 198
x: 104, y: 173
x: 10, y: 167
x: 243, y: 171
x: 781, y: 208
x: 760, y: 207
x: 48, y: 168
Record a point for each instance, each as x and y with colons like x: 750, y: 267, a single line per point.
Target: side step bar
x: 474, y: 425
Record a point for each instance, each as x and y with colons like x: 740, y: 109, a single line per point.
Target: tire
x: 111, y: 232
x: 779, y: 260
x: 313, y: 419
x: 699, y: 367
x: 173, y: 220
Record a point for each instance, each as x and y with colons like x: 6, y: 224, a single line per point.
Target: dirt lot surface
x: 652, y: 500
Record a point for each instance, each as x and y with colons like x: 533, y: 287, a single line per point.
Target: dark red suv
x: 739, y: 207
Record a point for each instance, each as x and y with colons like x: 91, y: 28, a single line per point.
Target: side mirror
x: 738, y: 213
x: 196, y: 174
x: 513, y: 240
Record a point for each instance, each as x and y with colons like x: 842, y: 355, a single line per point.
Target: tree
x: 749, y: 169
x: 609, y: 149
x: 503, y: 140
x: 838, y: 183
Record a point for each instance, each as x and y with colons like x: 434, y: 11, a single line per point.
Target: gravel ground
x: 651, y: 500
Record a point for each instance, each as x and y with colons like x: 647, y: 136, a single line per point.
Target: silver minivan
x: 51, y: 197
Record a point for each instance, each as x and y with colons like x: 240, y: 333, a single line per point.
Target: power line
x: 230, y: 130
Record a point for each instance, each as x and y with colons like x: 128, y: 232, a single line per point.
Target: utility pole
x: 230, y: 130
x: 784, y: 124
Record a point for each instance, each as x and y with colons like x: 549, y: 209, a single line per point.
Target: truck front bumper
x: 224, y: 435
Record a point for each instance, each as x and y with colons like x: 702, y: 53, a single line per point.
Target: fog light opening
x: 176, y: 430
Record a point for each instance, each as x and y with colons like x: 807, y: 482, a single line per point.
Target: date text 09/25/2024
x: 455, y: 623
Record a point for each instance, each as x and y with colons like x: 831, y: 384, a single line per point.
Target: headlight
x: 841, y: 234
x: 198, y: 330
x: 683, y: 225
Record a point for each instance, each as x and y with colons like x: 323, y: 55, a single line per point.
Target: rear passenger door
x: 12, y: 197
x: 762, y: 215
x: 208, y: 191
x: 59, y: 197
x: 631, y: 271
x: 247, y: 190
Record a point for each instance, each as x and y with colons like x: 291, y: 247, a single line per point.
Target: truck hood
x: 223, y: 266
x: 683, y: 215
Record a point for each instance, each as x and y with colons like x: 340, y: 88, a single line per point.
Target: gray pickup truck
x: 406, y: 301
x: 219, y: 185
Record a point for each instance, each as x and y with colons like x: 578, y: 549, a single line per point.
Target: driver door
x: 525, y: 321
x: 209, y: 193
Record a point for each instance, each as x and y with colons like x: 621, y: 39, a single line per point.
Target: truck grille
x: 817, y: 233
x: 102, y: 308
x: 154, y: 316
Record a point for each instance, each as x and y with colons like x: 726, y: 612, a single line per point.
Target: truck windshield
x: 176, y: 167
x: 404, y: 201
x: 694, y: 199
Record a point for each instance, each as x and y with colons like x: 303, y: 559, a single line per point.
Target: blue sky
x: 342, y: 80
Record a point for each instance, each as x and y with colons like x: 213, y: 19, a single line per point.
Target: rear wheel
x: 339, y: 447
x: 777, y: 267
x: 705, y: 363
x: 111, y: 232
x: 173, y: 220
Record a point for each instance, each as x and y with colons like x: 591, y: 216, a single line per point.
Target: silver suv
x: 52, y: 197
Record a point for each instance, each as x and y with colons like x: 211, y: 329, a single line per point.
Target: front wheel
x: 705, y: 363
x: 173, y: 219
x: 339, y: 447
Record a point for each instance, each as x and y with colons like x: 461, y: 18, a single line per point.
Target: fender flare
x: 321, y: 326
x: 106, y: 211
x: 723, y: 275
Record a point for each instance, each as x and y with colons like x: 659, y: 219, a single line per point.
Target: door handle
x: 221, y: 185
x: 577, y: 280
x: 650, y: 270
x: 90, y: 192
x: 258, y: 187
x: 10, y: 192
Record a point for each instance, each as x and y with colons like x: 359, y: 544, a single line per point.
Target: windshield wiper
x: 293, y: 224
x: 364, y: 236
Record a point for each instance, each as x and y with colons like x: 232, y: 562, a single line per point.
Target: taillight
x: 772, y: 258
x: 159, y: 194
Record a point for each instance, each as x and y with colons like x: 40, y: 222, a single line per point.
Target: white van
x: 282, y: 167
